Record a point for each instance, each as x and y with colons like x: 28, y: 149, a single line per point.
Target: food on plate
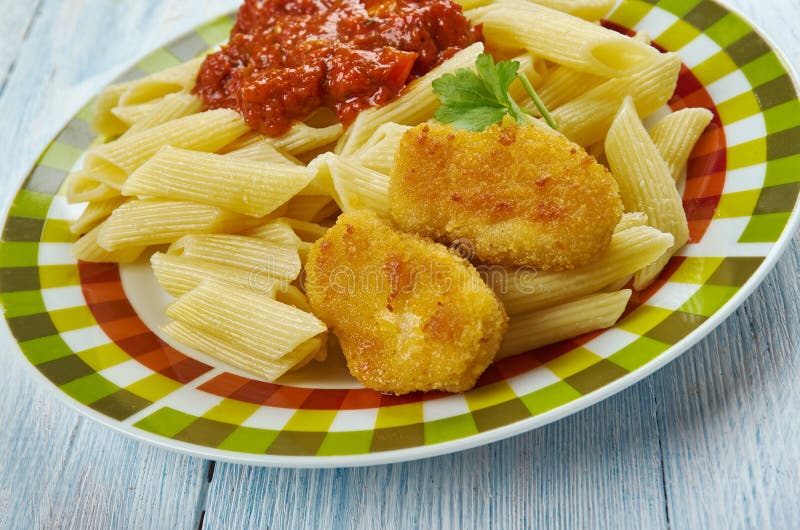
x: 410, y: 314
x: 521, y: 195
x: 286, y: 59
x: 510, y: 129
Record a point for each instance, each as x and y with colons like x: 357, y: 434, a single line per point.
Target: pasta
x: 95, y: 213
x: 168, y: 108
x: 630, y: 250
x: 83, y: 187
x: 561, y: 38
x: 104, y: 122
x: 175, y: 79
x: 148, y: 222
x: 586, y: 9
x: 645, y: 184
x: 587, y: 118
x: 244, y: 186
x: 249, y: 323
x: 676, y: 135
x: 278, y: 231
x: 86, y: 248
x: 252, y: 360
x: 240, y: 210
x: 416, y: 104
x: 251, y: 253
x: 553, y: 324
x: 206, y: 131
x: 631, y: 220
x: 180, y: 274
x: 311, y: 207
x: 359, y: 187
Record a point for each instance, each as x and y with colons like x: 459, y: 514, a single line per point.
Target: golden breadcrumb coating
x: 521, y: 195
x: 410, y: 314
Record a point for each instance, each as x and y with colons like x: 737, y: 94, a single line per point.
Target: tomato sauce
x: 287, y: 58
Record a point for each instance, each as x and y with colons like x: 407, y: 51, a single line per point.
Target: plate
x: 92, y: 330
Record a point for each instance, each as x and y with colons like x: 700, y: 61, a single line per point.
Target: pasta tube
x: 645, y: 184
x: 206, y: 131
x: 630, y: 250
x: 146, y: 222
x: 180, y: 274
x: 95, y: 213
x: 561, y: 38
x: 358, y: 187
x: 586, y: 119
x: 247, y: 322
x: 175, y: 79
x: 243, y: 186
x: 248, y: 253
x: 553, y: 324
x: 676, y: 135
x: 87, y: 249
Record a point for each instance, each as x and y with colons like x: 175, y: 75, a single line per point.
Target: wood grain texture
x: 599, y: 469
x: 710, y: 441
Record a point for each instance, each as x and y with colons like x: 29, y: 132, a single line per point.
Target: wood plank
x: 598, y: 469
x: 15, y: 24
x: 729, y: 410
x: 58, y: 468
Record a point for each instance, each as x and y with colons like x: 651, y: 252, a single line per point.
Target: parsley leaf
x: 475, y: 100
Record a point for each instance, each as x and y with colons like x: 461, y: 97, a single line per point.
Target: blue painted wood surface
x: 710, y: 441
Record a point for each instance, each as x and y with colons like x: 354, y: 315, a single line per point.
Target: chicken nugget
x: 521, y: 195
x: 409, y: 313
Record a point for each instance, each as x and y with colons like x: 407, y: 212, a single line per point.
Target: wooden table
x: 710, y: 441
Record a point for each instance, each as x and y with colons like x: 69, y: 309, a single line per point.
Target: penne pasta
x: 306, y: 231
x: 247, y: 321
x: 358, y: 187
x: 175, y: 79
x: 676, y: 135
x: 586, y: 119
x: 561, y: 38
x: 244, y: 186
x: 416, y: 103
x: 206, y: 131
x: 130, y: 114
x: 301, y: 138
x: 631, y: 220
x: 262, y: 150
x: 278, y: 231
x: 86, y: 248
x: 311, y: 207
x: 180, y: 274
x: 553, y: 324
x: 104, y: 122
x: 645, y: 184
x: 249, y: 359
x: 145, y: 222
x: 249, y: 253
x: 585, y: 9
x: 95, y: 213
x: 168, y: 108
x: 83, y: 187
x: 378, y: 152
x: 563, y: 84
x: 524, y: 290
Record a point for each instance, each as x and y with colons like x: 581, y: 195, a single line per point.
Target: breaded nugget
x: 409, y: 314
x: 520, y: 195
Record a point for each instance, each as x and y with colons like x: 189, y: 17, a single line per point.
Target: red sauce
x: 286, y: 58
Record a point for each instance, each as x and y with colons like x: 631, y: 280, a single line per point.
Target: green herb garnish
x: 475, y: 100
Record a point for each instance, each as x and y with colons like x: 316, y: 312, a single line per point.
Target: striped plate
x: 92, y: 330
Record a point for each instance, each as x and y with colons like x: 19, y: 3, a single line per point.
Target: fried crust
x: 410, y: 314
x: 520, y: 195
